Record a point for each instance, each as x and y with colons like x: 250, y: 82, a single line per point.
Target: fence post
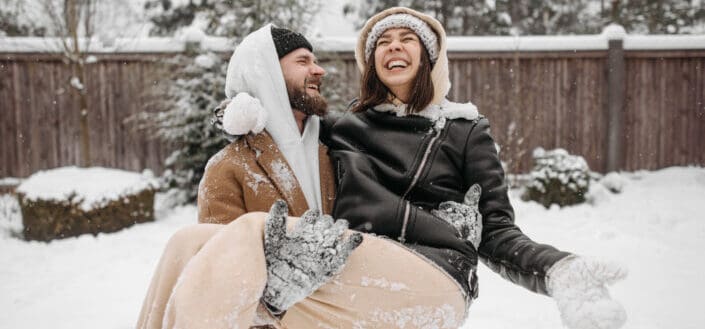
x: 615, y: 96
x: 193, y: 39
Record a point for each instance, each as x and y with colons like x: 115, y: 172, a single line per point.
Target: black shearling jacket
x: 392, y: 171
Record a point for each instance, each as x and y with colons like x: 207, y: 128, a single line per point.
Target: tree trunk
x: 615, y: 12
x: 71, y: 10
x: 83, y: 119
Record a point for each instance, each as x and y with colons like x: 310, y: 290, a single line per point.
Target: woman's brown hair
x: 373, y: 92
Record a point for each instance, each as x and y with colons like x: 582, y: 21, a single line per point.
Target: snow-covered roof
x: 347, y: 44
x: 91, y: 187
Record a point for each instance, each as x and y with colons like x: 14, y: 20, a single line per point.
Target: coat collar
x: 272, y: 161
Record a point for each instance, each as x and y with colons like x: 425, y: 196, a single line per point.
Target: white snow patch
x: 415, y: 317
x: 91, y: 187
x: 76, y: 83
x: 614, y: 32
x: 191, y: 34
x: 254, y: 179
x: 204, y: 61
x: 10, y: 217
x: 614, y: 182
x: 382, y: 283
x: 284, y: 175
x: 10, y: 181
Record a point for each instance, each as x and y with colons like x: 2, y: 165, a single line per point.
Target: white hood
x: 254, y: 68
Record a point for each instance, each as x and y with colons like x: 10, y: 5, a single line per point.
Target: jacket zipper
x: 417, y: 174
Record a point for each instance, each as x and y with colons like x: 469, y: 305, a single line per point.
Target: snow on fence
x: 621, y: 101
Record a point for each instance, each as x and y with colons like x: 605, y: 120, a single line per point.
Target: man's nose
x: 318, y: 70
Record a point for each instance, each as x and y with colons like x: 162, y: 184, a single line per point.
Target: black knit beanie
x: 287, y: 41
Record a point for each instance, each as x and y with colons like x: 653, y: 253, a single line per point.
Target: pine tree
x: 185, y: 115
x: 13, y: 22
x: 229, y: 18
x: 658, y: 17
x: 541, y: 17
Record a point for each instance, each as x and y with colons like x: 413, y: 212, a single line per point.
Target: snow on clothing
x: 392, y: 170
x: 249, y: 175
x: 212, y: 276
x: 254, y: 69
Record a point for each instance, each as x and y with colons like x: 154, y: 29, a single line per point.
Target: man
x: 274, y: 112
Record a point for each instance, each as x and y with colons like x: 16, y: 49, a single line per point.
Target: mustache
x: 318, y: 81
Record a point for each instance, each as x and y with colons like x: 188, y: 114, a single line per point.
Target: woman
x: 404, y: 151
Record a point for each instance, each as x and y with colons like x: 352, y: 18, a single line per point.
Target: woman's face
x: 397, y: 59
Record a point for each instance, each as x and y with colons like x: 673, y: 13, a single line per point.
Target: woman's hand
x: 300, y: 261
x: 465, y: 217
x: 579, y: 287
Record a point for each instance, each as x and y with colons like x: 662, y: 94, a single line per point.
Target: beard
x: 305, y: 103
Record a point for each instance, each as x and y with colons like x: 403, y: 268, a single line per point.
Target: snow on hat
x: 287, y: 41
x: 403, y: 20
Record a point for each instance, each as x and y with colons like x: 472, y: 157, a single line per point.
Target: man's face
x: 303, y: 78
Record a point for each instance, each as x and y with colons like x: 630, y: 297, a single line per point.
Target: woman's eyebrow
x: 405, y: 33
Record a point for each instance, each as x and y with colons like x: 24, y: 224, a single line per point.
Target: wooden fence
x: 40, y: 124
x: 622, y: 109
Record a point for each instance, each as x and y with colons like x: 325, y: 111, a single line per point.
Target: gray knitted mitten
x: 465, y: 217
x: 302, y: 260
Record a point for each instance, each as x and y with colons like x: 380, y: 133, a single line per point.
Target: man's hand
x: 300, y: 261
x: 465, y: 217
x: 578, y: 285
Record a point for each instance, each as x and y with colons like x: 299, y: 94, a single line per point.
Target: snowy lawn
x: 655, y: 227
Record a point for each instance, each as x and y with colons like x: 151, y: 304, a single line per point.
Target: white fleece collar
x: 438, y: 113
x: 255, y: 83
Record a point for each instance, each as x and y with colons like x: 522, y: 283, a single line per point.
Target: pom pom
x: 244, y: 114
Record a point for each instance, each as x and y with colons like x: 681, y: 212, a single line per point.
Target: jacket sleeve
x: 220, y: 197
x: 504, y: 248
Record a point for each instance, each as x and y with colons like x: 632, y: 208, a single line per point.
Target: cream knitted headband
x: 425, y: 33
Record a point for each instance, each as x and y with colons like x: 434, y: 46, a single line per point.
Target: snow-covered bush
x: 557, y: 178
x: 71, y: 201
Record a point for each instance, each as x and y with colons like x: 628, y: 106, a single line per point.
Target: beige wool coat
x: 250, y: 174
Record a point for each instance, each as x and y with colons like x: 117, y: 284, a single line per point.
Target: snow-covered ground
x: 655, y: 227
